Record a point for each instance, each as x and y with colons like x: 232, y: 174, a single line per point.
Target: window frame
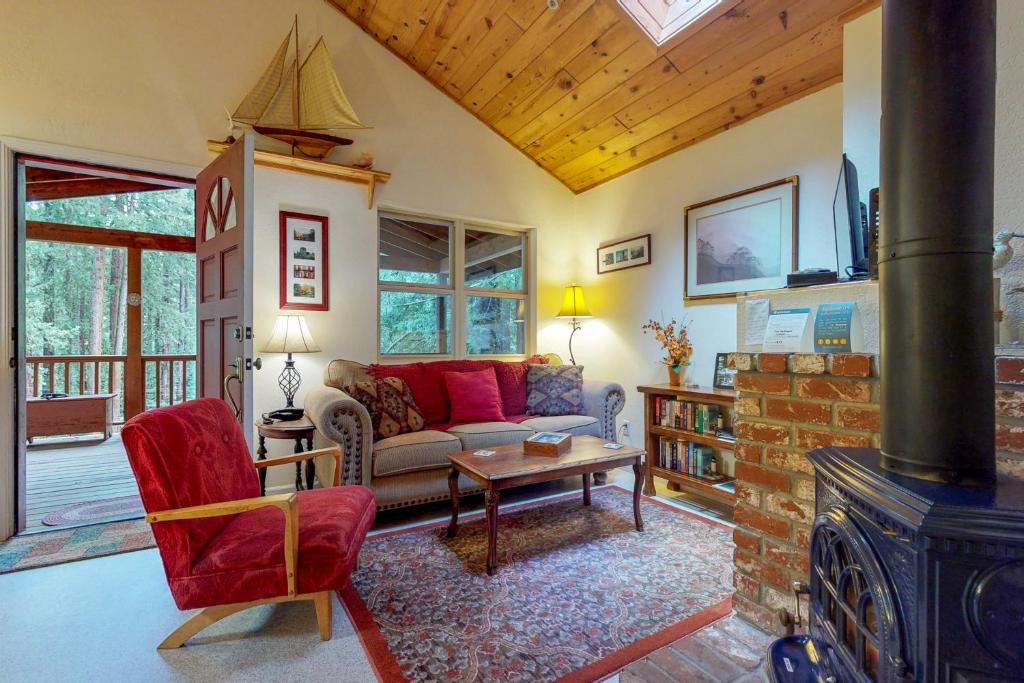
x: 459, y: 291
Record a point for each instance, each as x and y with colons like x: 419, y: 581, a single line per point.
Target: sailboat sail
x: 322, y: 102
x: 281, y: 110
x: 256, y: 102
x: 307, y: 98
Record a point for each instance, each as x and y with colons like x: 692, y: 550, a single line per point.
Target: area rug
x: 96, y: 511
x: 67, y: 545
x: 578, y: 594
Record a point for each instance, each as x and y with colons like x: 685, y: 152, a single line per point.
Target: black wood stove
x: 917, y: 550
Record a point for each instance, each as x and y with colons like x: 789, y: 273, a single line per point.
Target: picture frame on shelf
x: 725, y: 377
x: 304, y: 276
x: 741, y: 242
x: 630, y: 253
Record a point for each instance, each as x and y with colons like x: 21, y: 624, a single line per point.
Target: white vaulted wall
x: 153, y: 79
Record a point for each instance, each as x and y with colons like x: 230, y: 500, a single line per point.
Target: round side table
x: 290, y: 430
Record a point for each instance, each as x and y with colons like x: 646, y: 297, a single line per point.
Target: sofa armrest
x: 603, y: 400
x: 344, y: 421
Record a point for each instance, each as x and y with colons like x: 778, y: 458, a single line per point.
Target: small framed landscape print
x: 725, y: 377
x: 303, y: 261
x: 625, y: 254
x: 742, y: 242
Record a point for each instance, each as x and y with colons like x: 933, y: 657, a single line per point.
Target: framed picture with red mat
x: 304, y: 281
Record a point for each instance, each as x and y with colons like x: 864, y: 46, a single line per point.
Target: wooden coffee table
x: 510, y: 467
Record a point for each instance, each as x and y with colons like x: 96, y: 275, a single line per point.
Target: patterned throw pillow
x: 554, y: 390
x: 392, y: 408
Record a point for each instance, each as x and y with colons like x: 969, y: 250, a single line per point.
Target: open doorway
x: 107, y: 306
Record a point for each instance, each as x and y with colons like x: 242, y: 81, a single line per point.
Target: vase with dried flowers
x: 675, y: 339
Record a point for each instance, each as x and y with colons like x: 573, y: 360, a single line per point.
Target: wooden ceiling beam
x: 545, y: 96
x: 583, y: 92
x: 603, y: 49
x: 711, y: 41
x: 757, y: 41
x: 598, y: 19
x: 639, y: 55
x: 597, y: 123
x: 107, y: 237
x: 805, y: 47
x: 777, y: 91
x: 598, y: 56
x: 475, y: 26
x: 410, y: 27
x: 442, y: 25
x: 541, y: 33
x: 495, y: 43
x: 525, y: 12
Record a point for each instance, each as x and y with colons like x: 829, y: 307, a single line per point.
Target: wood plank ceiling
x: 587, y: 95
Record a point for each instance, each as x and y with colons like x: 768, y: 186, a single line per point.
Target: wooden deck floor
x: 58, y: 476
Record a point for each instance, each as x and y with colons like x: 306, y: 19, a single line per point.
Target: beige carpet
x: 101, y: 620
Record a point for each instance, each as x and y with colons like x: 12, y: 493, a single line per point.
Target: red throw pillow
x: 474, y: 396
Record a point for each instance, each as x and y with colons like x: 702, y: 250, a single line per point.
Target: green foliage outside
x: 421, y: 323
x: 76, y: 295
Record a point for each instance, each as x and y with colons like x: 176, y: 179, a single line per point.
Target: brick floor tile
x: 708, y: 658
x: 730, y: 647
x: 682, y: 669
x: 752, y: 636
x: 644, y: 672
x: 753, y: 677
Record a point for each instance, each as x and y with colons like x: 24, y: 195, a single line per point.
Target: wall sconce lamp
x: 574, y: 307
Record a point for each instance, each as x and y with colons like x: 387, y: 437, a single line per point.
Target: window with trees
x: 452, y: 288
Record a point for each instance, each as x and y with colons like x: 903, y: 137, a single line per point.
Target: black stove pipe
x: 935, y: 245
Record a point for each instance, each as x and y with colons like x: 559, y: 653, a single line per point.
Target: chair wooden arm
x: 288, y: 503
x: 333, y: 451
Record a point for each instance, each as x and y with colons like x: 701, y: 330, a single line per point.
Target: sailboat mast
x: 298, y: 85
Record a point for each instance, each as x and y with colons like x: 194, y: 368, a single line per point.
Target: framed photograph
x: 742, y: 242
x: 303, y: 261
x: 725, y: 377
x: 625, y: 254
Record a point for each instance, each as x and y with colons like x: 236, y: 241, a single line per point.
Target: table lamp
x: 574, y: 307
x: 290, y: 335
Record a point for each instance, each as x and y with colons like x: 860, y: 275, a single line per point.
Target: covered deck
x: 62, y: 475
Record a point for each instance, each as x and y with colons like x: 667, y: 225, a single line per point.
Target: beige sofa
x: 410, y: 469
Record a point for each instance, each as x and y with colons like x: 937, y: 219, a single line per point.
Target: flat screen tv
x: 849, y: 217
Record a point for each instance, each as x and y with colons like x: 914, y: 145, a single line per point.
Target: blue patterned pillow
x: 554, y: 390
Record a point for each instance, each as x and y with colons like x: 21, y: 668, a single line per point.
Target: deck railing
x: 166, y: 378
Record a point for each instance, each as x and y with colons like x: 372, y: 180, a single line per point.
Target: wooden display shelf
x: 351, y: 174
x: 654, y: 432
x: 696, y: 437
x: 696, y: 484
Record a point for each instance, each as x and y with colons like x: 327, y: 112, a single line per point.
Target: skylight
x: 662, y: 19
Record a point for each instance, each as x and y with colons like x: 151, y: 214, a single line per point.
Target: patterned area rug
x: 67, y: 545
x: 96, y: 511
x: 579, y: 593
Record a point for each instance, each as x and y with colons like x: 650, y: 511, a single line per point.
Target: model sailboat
x: 298, y: 101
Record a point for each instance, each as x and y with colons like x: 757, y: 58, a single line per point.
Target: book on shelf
x: 701, y: 418
x: 689, y: 458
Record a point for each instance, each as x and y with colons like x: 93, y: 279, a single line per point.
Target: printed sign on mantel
x: 837, y: 328
x: 788, y: 331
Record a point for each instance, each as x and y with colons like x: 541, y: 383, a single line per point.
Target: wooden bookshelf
x: 654, y: 432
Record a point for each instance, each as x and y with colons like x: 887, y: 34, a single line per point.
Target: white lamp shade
x: 290, y: 335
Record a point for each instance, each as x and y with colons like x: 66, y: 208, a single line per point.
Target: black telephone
x: 285, y: 414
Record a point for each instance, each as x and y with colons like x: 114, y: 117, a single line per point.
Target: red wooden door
x: 224, y: 279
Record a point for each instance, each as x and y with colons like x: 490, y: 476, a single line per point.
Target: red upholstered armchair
x: 224, y: 547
